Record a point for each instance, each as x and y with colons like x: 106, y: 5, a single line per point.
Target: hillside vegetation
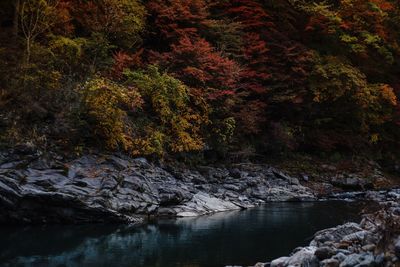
x: 167, y: 78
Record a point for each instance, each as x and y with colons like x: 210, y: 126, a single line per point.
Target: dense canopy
x: 184, y: 77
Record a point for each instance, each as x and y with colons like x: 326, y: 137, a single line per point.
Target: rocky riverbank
x: 375, y: 241
x: 46, y: 188
x: 35, y: 188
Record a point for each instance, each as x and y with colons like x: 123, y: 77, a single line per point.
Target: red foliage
x: 255, y: 73
x: 64, y: 25
x: 178, y: 25
x: 123, y: 60
x: 250, y: 12
x: 87, y: 15
x: 356, y: 17
x: 196, y: 63
x: 177, y: 18
x: 255, y: 23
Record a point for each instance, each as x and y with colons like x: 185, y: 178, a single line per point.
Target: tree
x: 198, y: 65
x: 174, y: 117
x: 170, y: 20
x: 345, y: 101
x: 274, y: 64
x: 254, y: 21
x: 17, y: 7
x: 104, y: 111
x: 361, y: 28
x: 120, y: 21
x: 37, y: 17
x: 178, y: 32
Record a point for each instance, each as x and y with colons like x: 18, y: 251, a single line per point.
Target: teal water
x: 240, y: 237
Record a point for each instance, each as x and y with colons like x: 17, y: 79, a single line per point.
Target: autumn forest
x: 181, y: 78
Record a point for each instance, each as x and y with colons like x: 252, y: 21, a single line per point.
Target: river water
x: 240, y: 237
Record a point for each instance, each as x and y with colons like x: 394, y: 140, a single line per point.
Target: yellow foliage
x: 150, y: 144
x: 176, y: 116
x: 335, y: 82
x: 105, y: 105
x: 374, y: 138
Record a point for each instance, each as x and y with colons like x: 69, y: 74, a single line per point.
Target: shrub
x: 173, y: 116
x: 104, y: 111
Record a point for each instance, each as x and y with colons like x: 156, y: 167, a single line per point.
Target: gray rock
x: 166, y: 212
x: 151, y: 209
x: 232, y: 187
x: 109, y: 183
x: 359, y: 260
x: 236, y: 173
x: 396, y: 211
x: 294, y: 193
x: 329, y: 263
x: 369, y: 247
x: 351, y: 261
x: 202, y: 203
x: 397, y: 248
x: 323, y: 253
x: 357, y: 236
x: 340, y: 257
x: 281, y: 262
x: 304, y: 257
x: 351, y: 183
x: 379, y: 259
x: 142, y: 161
x: 335, y: 234
x: 173, y: 196
x: 343, y: 251
x: 367, y: 261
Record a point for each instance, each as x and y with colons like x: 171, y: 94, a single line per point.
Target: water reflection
x: 240, y: 237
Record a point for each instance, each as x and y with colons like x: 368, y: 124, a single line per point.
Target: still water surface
x: 241, y: 238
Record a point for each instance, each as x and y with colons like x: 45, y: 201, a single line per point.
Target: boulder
x: 335, y: 234
x: 355, y: 237
x: 280, y: 262
x: 303, y: 257
x: 323, y: 253
x: 359, y: 260
x: 202, y: 203
x: 340, y: 257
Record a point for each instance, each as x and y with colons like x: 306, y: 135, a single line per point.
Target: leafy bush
x: 346, y: 103
x: 120, y: 21
x: 104, y: 111
x: 174, y: 116
x: 337, y: 84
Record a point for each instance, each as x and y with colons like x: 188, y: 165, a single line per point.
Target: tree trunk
x: 17, y: 5
x: 28, y: 51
